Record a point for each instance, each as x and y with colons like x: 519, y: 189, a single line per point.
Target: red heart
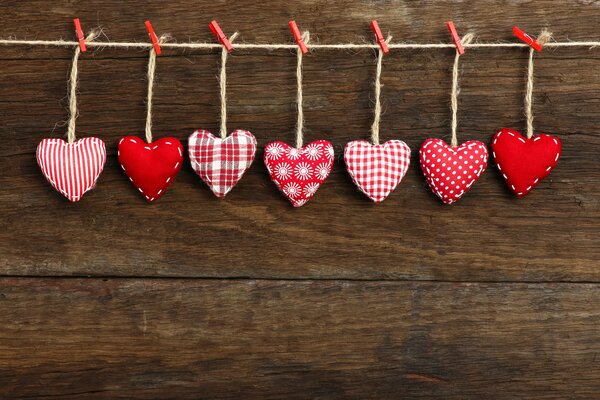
x: 71, y: 168
x: 221, y: 163
x: 151, y: 167
x: 524, y: 162
x: 298, y: 172
x: 377, y: 169
x: 451, y: 171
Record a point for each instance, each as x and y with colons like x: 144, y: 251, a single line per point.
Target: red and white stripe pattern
x: 72, y: 168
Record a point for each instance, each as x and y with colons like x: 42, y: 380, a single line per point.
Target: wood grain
x: 488, y: 236
x: 276, y: 339
x: 491, y: 298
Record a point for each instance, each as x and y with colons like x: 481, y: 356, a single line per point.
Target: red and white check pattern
x: 377, y: 169
x: 221, y: 163
x: 71, y: 168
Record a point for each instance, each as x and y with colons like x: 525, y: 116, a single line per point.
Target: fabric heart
x: 221, y: 163
x: 451, y: 171
x: 151, y: 167
x: 524, y: 162
x: 71, y: 168
x: 298, y: 172
x: 377, y: 169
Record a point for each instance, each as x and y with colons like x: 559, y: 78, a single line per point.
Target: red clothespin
x: 216, y: 30
x: 153, y: 37
x: 527, y: 39
x: 379, y: 36
x: 298, y: 37
x: 80, y: 36
x: 455, y: 37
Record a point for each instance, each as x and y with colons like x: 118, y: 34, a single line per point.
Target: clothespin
x: 527, y: 39
x: 298, y: 37
x: 153, y: 37
x: 216, y: 30
x: 455, y: 37
x: 80, y: 36
x: 379, y: 36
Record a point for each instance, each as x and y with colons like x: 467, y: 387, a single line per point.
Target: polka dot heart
x: 451, y: 171
x: 524, y: 162
x: 298, y: 172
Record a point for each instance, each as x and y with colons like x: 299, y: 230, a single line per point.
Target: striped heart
x: 71, y: 168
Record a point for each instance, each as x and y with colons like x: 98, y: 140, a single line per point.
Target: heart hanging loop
x: 73, y: 82
x: 542, y: 39
x: 151, y: 72
x: 223, y: 87
x: 378, y: 85
x: 299, y: 99
x: 468, y: 38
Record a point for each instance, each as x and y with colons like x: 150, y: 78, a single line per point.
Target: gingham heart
x: 451, y: 171
x: 71, y: 168
x: 524, y: 162
x: 151, y: 167
x: 298, y: 172
x: 221, y: 163
x: 377, y: 169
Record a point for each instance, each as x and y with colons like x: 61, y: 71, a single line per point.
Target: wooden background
x: 246, y: 297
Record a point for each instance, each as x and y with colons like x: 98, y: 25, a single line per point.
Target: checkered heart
x: 221, y: 163
x: 451, y: 171
x: 377, y: 169
x: 151, y: 167
x: 71, y: 168
x: 298, y: 172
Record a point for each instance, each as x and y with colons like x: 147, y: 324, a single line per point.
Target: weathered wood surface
x: 312, y: 339
x: 515, y: 314
x: 488, y: 235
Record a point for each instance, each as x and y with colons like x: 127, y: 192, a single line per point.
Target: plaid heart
x: 298, y: 172
x: 221, y: 163
x: 71, y: 168
x: 451, y: 171
x: 377, y: 169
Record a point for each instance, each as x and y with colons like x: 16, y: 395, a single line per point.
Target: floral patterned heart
x: 151, y: 167
x: 71, y: 168
x: 221, y: 163
x: 451, y: 171
x: 524, y: 162
x: 377, y: 169
x: 298, y: 172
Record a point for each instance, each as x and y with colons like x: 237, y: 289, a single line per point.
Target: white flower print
x: 313, y: 151
x: 283, y: 171
x: 322, y: 171
x: 329, y: 152
x: 274, y: 151
x: 294, y: 153
x: 303, y: 171
x: 311, y: 189
x: 300, y: 202
x: 292, y: 189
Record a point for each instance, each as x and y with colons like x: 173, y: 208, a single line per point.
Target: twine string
x: 378, y: 85
x: 299, y: 99
x: 73, y: 82
x: 468, y: 38
x: 223, y: 87
x: 278, y: 46
x: 151, y: 73
x: 544, y: 37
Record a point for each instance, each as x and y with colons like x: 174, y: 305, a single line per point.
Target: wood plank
x: 488, y: 236
x: 106, y: 338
